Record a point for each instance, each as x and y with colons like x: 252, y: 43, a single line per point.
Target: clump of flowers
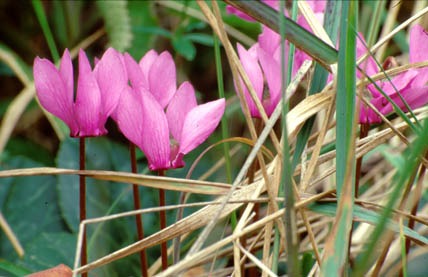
x: 262, y: 61
x: 165, y: 124
x: 97, y: 95
x: 410, y: 85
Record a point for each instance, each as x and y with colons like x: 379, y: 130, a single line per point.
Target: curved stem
x: 82, y: 201
x: 162, y: 219
x: 137, y: 206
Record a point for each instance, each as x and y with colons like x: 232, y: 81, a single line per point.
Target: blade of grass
x: 224, y: 125
x: 336, y: 251
x: 41, y: 17
x: 319, y: 79
x: 303, y: 39
x: 362, y: 214
x: 292, y: 243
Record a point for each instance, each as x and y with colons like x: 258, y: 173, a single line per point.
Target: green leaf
x: 184, y: 47
x: 48, y: 250
x: 144, y: 22
x: 368, y: 216
x: 203, y: 39
x: 29, y: 204
x: 117, y: 23
x: 11, y: 269
x: 103, y: 198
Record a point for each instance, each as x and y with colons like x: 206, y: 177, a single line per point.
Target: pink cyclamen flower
x: 232, y: 10
x: 164, y: 137
x: 260, y: 66
x: 411, y: 85
x: 97, y: 93
x: 262, y: 62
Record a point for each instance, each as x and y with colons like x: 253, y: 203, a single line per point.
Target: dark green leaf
x: 184, y: 47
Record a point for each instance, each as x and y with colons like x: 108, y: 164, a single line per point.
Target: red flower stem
x: 364, y: 131
x: 162, y: 217
x: 252, y: 271
x: 414, y: 210
x: 137, y: 206
x: 82, y: 201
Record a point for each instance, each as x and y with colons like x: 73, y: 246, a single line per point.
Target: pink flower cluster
x: 166, y: 123
x: 411, y: 85
x: 262, y: 62
x: 262, y: 65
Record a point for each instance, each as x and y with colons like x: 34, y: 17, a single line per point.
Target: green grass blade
x: 292, y: 244
x: 303, y: 39
x: 41, y: 16
x: 346, y: 92
x: 368, y: 216
x: 374, y: 27
x: 336, y: 251
x: 319, y: 79
x: 224, y: 126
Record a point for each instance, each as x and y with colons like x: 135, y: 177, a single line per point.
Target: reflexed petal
x: 318, y: 6
x: 135, y: 74
x: 162, y: 79
x: 66, y: 72
x: 415, y: 98
x: 272, y: 72
x: 200, y: 122
x: 183, y: 101
x: 418, y: 45
x: 399, y: 82
x: 369, y: 64
x: 129, y: 115
x: 146, y: 63
x: 112, y: 80
x: 269, y: 40
x: 367, y: 115
x: 88, y: 109
x: 155, y: 137
x: 252, y: 68
x: 235, y: 11
x: 52, y: 91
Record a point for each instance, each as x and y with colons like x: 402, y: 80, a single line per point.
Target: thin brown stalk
x: 364, y: 131
x: 162, y: 220
x: 137, y: 206
x: 417, y: 194
x: 252, y: 271
x: 82, y: 201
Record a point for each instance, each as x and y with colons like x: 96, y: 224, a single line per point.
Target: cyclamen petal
x: 53, y: 93
x: 252, y: 68
x: 88, y: 106
x: 162, y: 78
x: 146, y: 63
x: 155, y: 139
x: 200, y: 122
x: 183, y: 101
x: 111, y: 79
x: 418, y: 45
x: 129, y: 115
x: 135, y: 74
x: 66, y: 72
x: 273, y: 80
